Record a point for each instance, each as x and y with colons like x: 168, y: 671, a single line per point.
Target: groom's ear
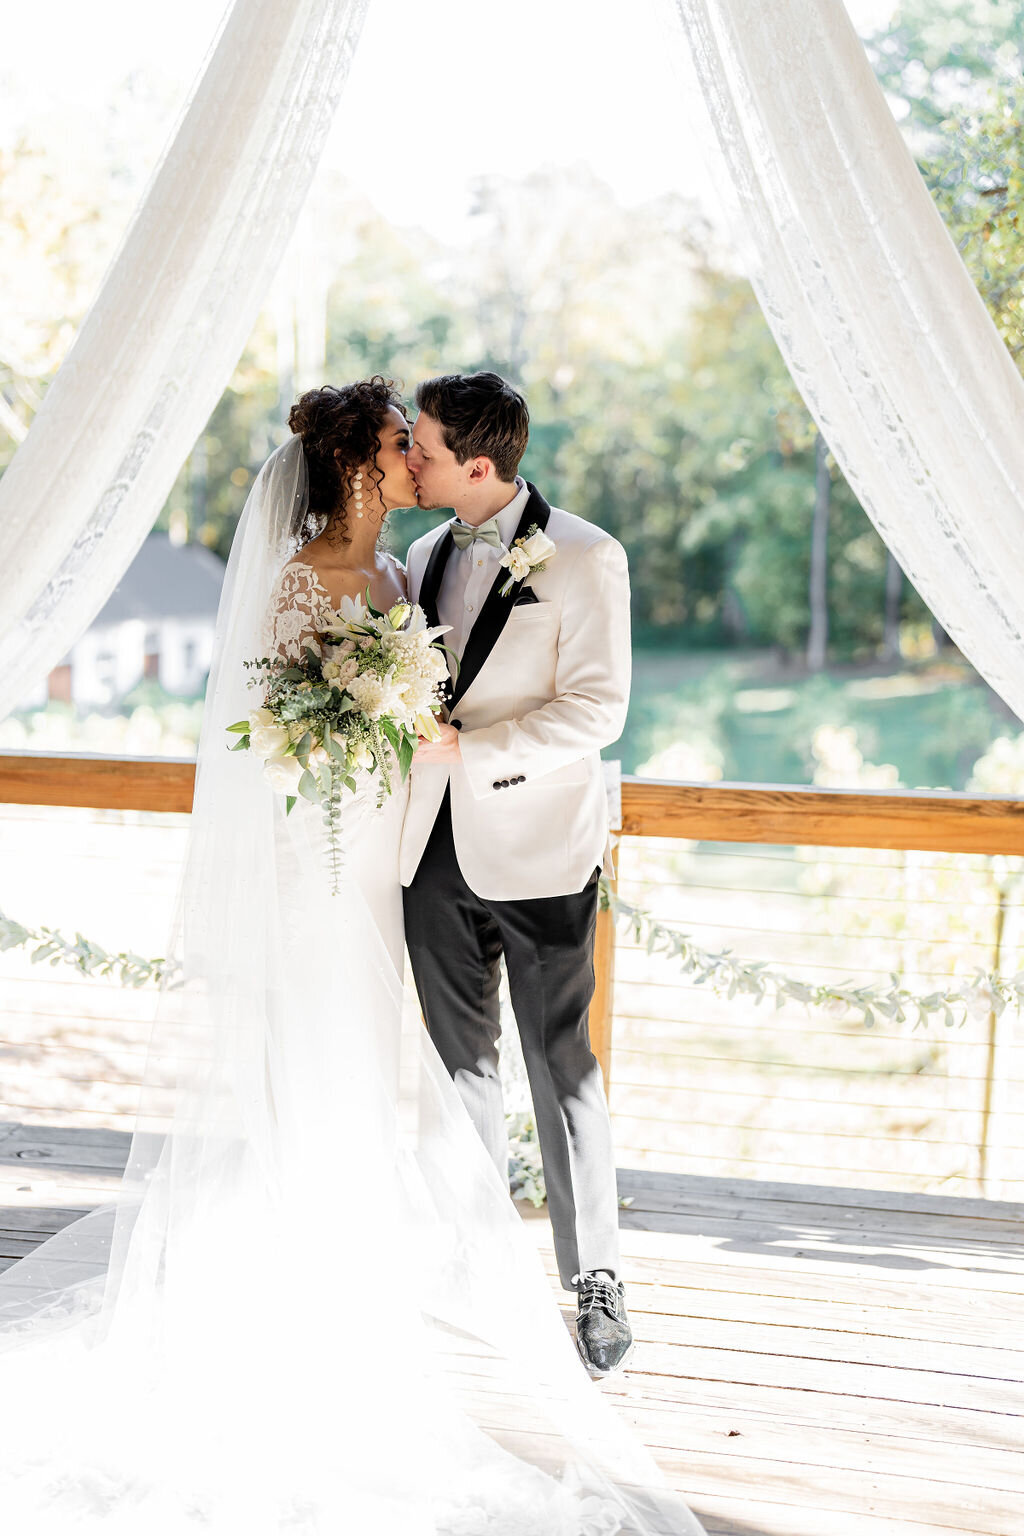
x: 480, y: 469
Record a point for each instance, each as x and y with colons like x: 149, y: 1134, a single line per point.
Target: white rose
x: 260, y: 717
x: 362, y: 756
x: 268, y: 740
x: 347, y: 671
x: 283, y: 774
x: 538, y: 548
x: 331, y: 671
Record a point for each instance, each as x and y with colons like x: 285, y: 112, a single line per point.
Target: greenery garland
x: 92, y: 959
x: 983, y: 993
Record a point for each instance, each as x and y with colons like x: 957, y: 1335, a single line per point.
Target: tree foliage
x: 660, y: 405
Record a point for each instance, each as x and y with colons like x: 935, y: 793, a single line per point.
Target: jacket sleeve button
x: 504, y: 783
x: 456, y: 723
x: 496, y: 784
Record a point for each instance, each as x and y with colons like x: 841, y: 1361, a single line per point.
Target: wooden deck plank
x: 811, y: 1361
x: 704, y: 1475
x: 801, y: 1284
x: 841, y: 1317
x: 906, y: 1218
x: 846, y: 1265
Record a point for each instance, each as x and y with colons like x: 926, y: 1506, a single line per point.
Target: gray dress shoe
x: 603, y: 1335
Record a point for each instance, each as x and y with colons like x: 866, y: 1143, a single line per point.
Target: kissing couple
x: 314, y: 1306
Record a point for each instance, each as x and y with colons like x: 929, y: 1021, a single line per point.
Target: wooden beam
x: 111, y: 783
x: 731, y: 813
x: 831, y: 818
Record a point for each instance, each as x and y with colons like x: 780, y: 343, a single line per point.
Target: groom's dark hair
x: 479, y: 413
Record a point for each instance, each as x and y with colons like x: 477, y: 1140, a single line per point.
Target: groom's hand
x: 444, y: 750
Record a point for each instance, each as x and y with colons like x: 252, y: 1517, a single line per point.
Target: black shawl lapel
x: 494, y: 614
x: 430, y: 586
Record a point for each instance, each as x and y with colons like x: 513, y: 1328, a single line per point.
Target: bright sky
x: 452, y: 88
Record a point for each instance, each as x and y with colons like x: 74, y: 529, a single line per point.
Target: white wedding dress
x: 313, y: 1309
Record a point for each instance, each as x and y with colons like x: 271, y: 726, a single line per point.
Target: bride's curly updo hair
x: 340, y: 431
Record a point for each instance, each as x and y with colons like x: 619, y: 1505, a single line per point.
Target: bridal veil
x: 313, y: 1307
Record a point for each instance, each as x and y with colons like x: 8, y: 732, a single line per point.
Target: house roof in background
x: 165, y: 581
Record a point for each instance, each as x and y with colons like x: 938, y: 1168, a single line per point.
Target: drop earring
x: 357, y: 488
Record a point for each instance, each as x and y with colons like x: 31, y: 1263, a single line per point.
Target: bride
x: 312, y: 1308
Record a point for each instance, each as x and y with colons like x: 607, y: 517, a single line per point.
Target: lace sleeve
x: 292, y: 617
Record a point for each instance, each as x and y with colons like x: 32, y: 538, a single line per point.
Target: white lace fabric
x: 298, y: 606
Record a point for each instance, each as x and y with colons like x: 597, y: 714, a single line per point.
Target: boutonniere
x: 527, y: 557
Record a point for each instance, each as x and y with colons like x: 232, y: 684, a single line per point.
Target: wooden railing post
x: 601, y: 1007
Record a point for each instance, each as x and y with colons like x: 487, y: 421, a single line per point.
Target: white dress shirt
x: 470, y: 573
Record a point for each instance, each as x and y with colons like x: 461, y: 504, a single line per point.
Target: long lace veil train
x: 312, y: 1307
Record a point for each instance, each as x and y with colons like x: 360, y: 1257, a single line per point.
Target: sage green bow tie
x: 488, y: 532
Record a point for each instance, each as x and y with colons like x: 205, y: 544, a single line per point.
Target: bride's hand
x: 444, y: 750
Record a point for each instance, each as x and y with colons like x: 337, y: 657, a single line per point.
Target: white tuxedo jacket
x: 542, y: 687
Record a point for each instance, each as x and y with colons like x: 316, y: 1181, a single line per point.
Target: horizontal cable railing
x: 818, y: 884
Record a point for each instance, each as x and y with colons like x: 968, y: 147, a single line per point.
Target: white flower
x: 417, y: 625
x: 340, y: 651
x: 340, y: 672
x: 526, y: 555
x: 266, y: 737
x: 417, y: 695
x: 283, y: 774
x: 980, y: 1000
x: 426, y: 725
x: 374, y: 695
x: 538, y: 548
x: 518, y: 562
x: 362, y: 756
x: 351, y: 619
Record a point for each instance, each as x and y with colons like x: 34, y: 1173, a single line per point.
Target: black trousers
x: 456, y: 940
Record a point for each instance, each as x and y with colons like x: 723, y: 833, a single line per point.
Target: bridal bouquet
x: 349, y: 710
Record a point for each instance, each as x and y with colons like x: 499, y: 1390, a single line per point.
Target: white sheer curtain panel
x: 873, y: 310
x: 168, y: 324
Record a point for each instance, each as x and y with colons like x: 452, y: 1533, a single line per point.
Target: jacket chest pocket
x: 530, y: 619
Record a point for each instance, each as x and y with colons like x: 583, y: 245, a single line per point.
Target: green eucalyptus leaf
x: 289, y: 804
x: 307, y: 788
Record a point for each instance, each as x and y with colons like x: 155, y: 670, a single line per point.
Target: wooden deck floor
x: 811, y: 1361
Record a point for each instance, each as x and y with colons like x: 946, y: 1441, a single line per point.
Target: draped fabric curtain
x: 156, y: 350
x: 873, y: 310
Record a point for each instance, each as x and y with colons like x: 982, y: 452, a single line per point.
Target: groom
x: 507, y: 822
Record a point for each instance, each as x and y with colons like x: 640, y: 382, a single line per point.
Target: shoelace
x: 597, y: 1290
